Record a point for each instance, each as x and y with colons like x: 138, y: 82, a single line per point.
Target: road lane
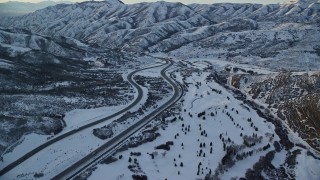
x: 74, y: 131
x: 110, y: 146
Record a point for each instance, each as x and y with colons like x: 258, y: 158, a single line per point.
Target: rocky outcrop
x: 293, y: 97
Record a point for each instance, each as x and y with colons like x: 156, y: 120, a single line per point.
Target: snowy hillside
x: 145, y: 26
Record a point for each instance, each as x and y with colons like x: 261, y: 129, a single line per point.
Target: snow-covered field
x: 56, y: 157
x: 229, y: 120
x: 79, y: 117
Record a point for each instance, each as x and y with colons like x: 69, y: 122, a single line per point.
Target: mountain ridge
x: 135, y: 27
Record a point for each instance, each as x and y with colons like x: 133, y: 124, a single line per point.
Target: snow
x: 197, y: 100
x: 73, y: 119
x: 77, y: 42
x: 63, y: 83
x: 308, y: 167
x: 60, y: 155
x: 25, y: 144
x: 113, y: 27
x: 198, y: 31
x: 220, y: 64
x: 5, y: 64
x: 163, y: 166
x: 15, y: 49
x: 239, y: 170
x: 153, y: 72
x: 279, y: 159
x: 90, y: 58
x: 79, y: 117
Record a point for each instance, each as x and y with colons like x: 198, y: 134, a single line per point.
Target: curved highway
x: 111, y: 145
x: 58, y: 138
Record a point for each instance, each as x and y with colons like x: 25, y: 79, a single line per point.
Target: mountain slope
x: 136, y: 27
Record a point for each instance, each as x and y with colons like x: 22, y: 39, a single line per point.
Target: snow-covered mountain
x: 159, y: 26
x: 14, y: 40
x: 295, y: 11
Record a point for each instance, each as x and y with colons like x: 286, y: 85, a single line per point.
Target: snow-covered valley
x: 213, y: 135
x: 227, y: 91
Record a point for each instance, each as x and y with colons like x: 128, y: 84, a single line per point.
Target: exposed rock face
x: 293, y: 97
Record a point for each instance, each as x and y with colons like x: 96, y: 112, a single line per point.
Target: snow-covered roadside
x: 56, y: 157
x: 154, y: 72
x: 80, y: 117
x: 29, y: 142
x: 25, y: 144
x: 74, y: 119
x: 60, y: 155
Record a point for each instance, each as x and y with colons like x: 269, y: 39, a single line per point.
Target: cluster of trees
x: 201, y: 114
x: 163, y: 146
x: 166, y: 146
x: 198, y: 84
x: 201, y: 168
x: 135, y: 153
x: 204, y: 133
x: 135, y: 168
x: 139, y: 177
x: 250, y: 141
x: 38, y: 175
x: 173, y: 120
x: 110, y: 159
x: 157, y: 89
x: 175, y: 162
x: 185, y: 129
x: 262, y: 164
x: 217, y: 91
